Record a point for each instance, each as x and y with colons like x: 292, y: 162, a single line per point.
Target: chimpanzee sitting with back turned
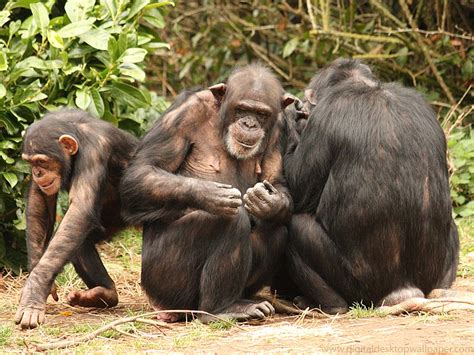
x: 202, y: 248
x: 369, y: 180
x: 72, y: 151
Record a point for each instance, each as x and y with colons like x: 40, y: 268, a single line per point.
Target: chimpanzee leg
x: 90, y: 268
x: 199, y: 261
x: 310, y: 253
x: 452, y: 258
x: 268, y: 246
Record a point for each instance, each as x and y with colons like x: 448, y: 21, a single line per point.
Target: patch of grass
x: 198, y: 331
x: 359, y: 310
x: 5, y: 334
x: 52, y: 331
x: 82, y: 328
x: 466, y: 237
x: 68, y: 277
x: 221, y: 325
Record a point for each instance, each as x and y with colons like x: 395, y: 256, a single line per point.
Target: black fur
x: 369, y: 180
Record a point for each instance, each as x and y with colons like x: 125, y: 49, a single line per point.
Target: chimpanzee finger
x: 259, y: 194
x: 19, y: 315
x: 267, y: 308
x: 223, y: 186
x: 228, y: 211
x: 258, y: 314
x: 26, y: 319
x: 269, y: 187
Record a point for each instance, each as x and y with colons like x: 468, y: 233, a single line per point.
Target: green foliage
x: 296, y: 38
x: 461, y: 149
x: 82, y: 53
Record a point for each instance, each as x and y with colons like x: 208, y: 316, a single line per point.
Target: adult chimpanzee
x: 369, y: 181
x: 202, y: 248
x: 72, y: 151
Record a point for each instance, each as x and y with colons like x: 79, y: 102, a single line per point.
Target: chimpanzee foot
x: 242, y: 311
x: 302, y: 302
x: 30, y: 316
x: 165, y: 317
x: 99, y: 297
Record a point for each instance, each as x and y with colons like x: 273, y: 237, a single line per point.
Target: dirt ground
x: 365, y: 331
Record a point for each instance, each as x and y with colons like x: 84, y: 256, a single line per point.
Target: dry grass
x: 363, y: 329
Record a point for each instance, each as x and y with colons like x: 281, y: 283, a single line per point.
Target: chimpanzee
x: 70, y: 150
x: 204, y: 245
x: 372, y: 206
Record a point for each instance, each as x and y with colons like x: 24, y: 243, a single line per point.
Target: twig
x: 370, y: 38
x: 386, y: 13
x: 425, y: 51
x: 427, y: 33
x: 311, y: 14
x: 95, y: 333
x: 453, y: 109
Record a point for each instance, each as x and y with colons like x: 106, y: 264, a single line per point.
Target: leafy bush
x: 461, y: 149
x: 84, y: 53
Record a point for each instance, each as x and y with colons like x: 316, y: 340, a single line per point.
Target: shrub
x: 84, y: 53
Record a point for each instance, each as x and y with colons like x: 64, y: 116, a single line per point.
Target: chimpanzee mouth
x: 47, y: 186
x: 247, y: 145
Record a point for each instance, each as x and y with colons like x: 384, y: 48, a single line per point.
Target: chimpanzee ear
x: 310, y: 96
x: 218, y: 91
x: 69, y: 144
x: 286, y: 99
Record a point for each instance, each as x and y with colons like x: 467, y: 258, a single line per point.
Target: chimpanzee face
x: 246, y: 133
x: 47, y: 172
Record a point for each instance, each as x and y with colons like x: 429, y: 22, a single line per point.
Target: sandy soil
x: 453, y: 332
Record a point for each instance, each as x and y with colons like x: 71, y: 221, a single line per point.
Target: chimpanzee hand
x: 264, y: 201
x: 220, y: 199
x: 31, y: 310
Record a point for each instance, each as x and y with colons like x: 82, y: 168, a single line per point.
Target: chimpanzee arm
x: 40, y: 218
x: 270, y: 199
x: 150, y: 185
x: 81, y: 218
x: 308, y: 165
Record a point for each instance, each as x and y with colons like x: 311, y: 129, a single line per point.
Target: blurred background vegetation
x: 124, y: 61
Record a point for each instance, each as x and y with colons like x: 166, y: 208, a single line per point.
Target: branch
x: 382, y: 39
x: 425, y: 51
x: 112, y: 325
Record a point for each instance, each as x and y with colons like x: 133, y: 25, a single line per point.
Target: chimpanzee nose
x: 249, y: 123
x: 37, y: 172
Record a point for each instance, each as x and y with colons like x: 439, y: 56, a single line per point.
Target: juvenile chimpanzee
x: 205, y: 246
x: 70, y: 150
x: 369, y: 180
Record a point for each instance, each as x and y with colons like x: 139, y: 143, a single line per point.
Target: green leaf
x: 23, y: 3
x: 157, y: 45
x: 154, y: 18
x: 3, y: 91
x: 96, y: 38
x: 6, y: 158
x: 40, y: 16
x: 77, y: 10
x: 290, y: 47
x: 55, y: 39
x: 110, y: 5
x: 5, y: 122
x: 133, y: 71
x: 160, y: 4
x: 83, y: 99
x: 136, y: 7
x: 38, y: 97
x: 129, y: 95
x: 402, y: 56
x: 467, y: 70
x: 32, y: 62
x: 96, y: 106
x: 11, y: 178
x: 112, y: 48
x: 133, y: 55
x: 4, y: 17
x: 3, y: 61
x: 76, y: 29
